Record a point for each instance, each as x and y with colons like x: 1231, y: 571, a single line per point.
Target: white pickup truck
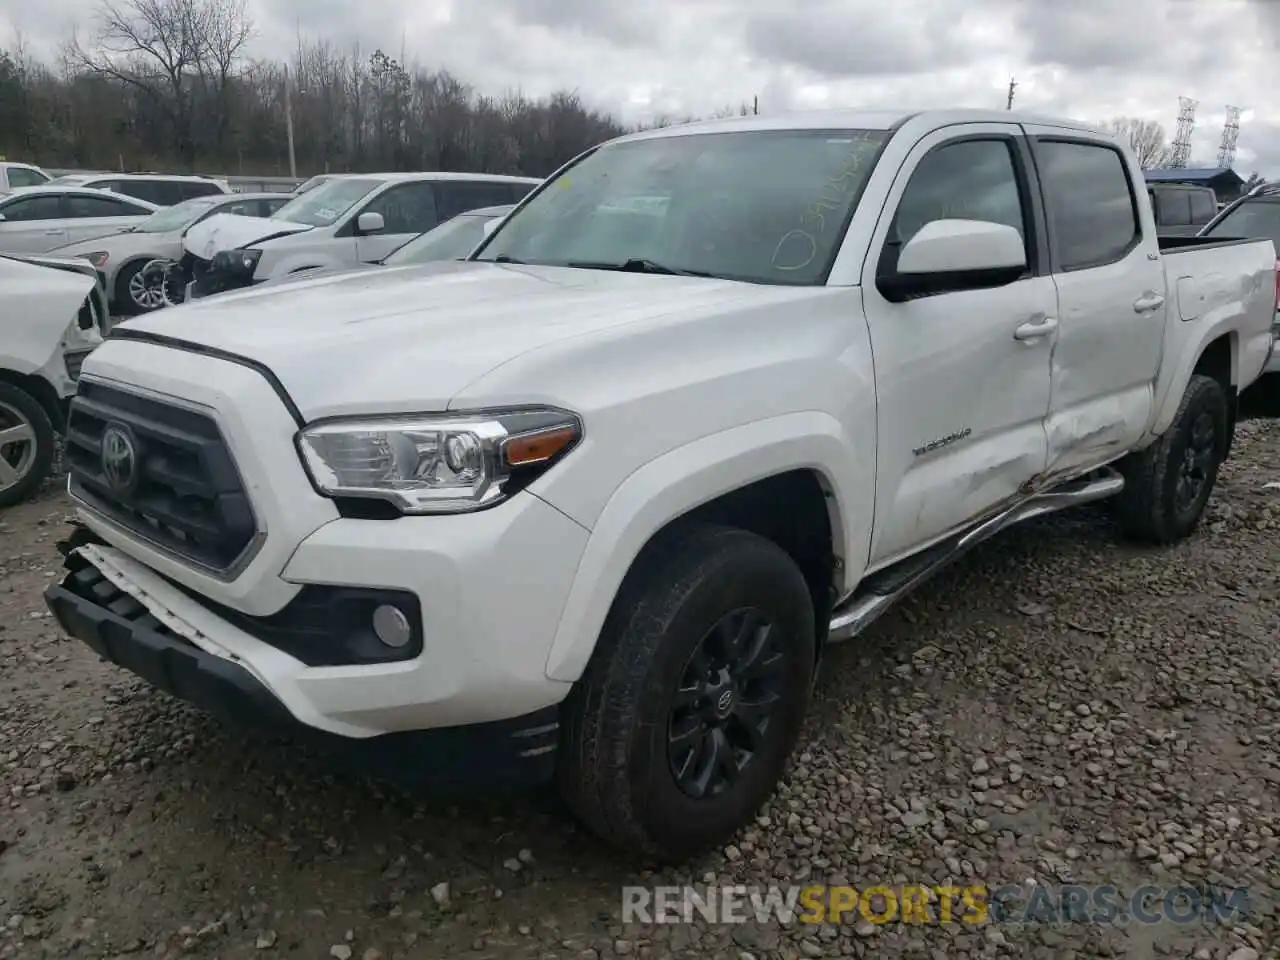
x: 592, y: 502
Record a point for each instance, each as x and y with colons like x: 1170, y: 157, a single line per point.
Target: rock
x: 266, y: 940
x: 340, y: 951
x: 440, y: 893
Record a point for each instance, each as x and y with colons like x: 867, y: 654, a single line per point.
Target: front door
x: 1111, y: 301
x: 961, y: 400
x: 408, y: 210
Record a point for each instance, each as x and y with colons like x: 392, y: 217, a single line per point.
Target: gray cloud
x: 1091, y: 59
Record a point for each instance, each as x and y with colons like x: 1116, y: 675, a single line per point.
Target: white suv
x: 164, y: 190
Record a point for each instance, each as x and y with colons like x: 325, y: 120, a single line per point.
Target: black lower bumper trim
x: 119, y: 629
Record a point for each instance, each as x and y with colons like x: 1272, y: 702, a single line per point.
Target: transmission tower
x: 1182, y: 140
x: 1230, y: 134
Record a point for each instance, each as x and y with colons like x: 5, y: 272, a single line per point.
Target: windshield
x: 177, y: 216
x: 326, y: 203
x: 452, y: 240
x: 764, y: 206
x: 312, y: 184
x: 1253, y: 219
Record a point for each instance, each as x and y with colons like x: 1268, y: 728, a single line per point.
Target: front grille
x: 183, y: 493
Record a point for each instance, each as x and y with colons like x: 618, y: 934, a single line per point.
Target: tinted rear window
x: 1253, y: 219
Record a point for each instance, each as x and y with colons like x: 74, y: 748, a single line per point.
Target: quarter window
x: 1093, y: 220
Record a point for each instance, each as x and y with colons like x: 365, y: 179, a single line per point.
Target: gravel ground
x: 1055, y: 708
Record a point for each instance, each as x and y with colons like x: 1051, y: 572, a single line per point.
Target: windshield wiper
x: 503, y: 258
x: 638, y: 265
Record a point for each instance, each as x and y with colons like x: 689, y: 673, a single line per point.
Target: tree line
x: 167, y: 85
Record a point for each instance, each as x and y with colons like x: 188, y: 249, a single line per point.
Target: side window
x: 458, y: 196
x: 81, y: 206
x: 1093, y: 219
x: 1173, y: 209
x: 269, y: 207
x: 245, y: 208
x: 1203, y: 206
x: 520, y: 190
x: 26, y: 177
x: 194, y: 189
x: 32, y: 208
x: 407, y: 208
x: 969, y: 180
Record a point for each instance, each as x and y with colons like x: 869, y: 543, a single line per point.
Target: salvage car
x: 348, y: 220
x: 452, y: 240
x: 120, y: 258
x: 593, y: 503
x: 52, y: 314
x: 39, y: 219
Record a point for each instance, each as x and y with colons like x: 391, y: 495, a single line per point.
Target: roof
x: 71, y: 189
x: 438, y: 175
x: 846, y: 119
x: 1193, y: 175
x: 193, y: 178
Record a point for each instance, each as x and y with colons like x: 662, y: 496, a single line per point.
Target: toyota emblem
x: 119, y: 459
x: 725, y: 703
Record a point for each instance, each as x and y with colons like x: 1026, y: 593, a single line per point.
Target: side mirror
x: 370, y: 223
x: 490, y: 226
x: 950, y: 255
x: 1, y: 218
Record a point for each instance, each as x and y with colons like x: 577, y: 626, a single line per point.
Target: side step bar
x: 881, y: 590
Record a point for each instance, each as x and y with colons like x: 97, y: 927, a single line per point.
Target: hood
x: 409, y: 338
x: 42, y: 300
x: 117, y: 246
x: 230, y: 231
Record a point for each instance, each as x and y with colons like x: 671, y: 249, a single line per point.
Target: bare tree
x: 1146, y: 137
x: 177, y: 54
x: 1255, y: 180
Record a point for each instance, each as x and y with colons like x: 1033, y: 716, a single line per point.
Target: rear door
x: 1111, y: 299
x: 31, y: 224
x: 458, y: 196
x: 91, y: 216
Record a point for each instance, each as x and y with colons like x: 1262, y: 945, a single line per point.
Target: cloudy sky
x: 1089, y: 59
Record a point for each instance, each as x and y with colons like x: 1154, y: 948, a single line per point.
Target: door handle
x: 1035, y: 329
x: 1148, y: 302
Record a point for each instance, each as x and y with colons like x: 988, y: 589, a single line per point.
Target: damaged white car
x: 53, y: 312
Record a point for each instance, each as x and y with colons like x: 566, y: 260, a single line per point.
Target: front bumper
x: 121, y: 630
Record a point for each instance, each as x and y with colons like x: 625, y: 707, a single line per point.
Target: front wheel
x: 137, y: 291
x: 1167, y: 485
x: 27, y: 444
x: 682, y: 724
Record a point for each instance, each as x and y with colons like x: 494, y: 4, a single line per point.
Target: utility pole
x: 288, y: 124
x: 1013, y: 86
x: 755, y: 104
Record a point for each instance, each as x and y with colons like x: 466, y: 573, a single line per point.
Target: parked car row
x: 591, y: 503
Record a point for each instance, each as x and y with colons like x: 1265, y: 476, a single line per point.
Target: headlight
x: 438, y: 463
x: 236, y: 261
x: 98, y: 258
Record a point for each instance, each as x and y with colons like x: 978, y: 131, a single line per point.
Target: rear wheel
x: 1167, y: 485
x: 27, y: 442
x: 683, y: 722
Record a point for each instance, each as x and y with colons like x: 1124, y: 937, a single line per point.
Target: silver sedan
x: 119, y: 258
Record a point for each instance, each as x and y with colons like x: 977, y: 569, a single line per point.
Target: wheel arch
x: 793, y: 479
x: 41, y: 390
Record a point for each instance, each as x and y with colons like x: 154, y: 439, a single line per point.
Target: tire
x: 33, y: 458
x: 1153, y: 507
x: 617, y: 771
x: 124, y: 300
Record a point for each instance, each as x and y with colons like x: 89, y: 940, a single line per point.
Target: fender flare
x: 649, y: 499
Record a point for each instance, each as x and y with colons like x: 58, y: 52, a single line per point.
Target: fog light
x: 391, y: 626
